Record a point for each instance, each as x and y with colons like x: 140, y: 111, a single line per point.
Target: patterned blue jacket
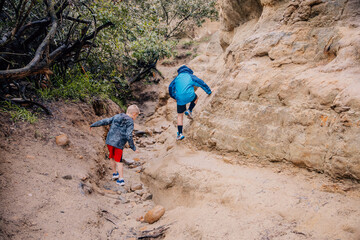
x: 120, y: 131
x: 182, y: 87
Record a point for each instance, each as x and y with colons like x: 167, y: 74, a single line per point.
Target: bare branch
x: 77, y: 20
x: 165, y: 12
x: 32, y: 67
x: 179, y: 23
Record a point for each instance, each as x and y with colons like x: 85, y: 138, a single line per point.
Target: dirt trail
x: 205, y: 196
x: 53, y: 192
x: 209, y: 198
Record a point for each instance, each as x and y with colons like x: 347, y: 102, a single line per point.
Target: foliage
x: 188, y: 44
x: 177, y: 15
x: 18, y: 113
x: 142, y: 35
x: 76, y: 85
x: 86, y: 59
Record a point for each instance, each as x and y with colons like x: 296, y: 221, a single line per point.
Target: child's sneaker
x: 188, y: 113
x: 115, y: 176
x: 120, y: 182
x: 180, y: 136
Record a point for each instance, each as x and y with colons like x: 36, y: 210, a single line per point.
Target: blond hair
x: 132, y: 109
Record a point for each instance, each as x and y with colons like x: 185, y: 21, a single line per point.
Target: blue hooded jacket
x: 182, y: 87
x: 120, y: 131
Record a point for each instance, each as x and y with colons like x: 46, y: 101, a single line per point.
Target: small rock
x: 136, y: 159
x: 139, y: 133
x: 81, y: 157
x: 67, y: 177
x: 228, y: 160
x: 139, y: 192
x: 147, y: 196
x: 62, y: 140
x: 107, y: 186
x: 128, y: 161
x: 123, y: 189
x: 138, y: 169
x: 30, y: 157
x: 157, y: 130
x: 154, y: 214
x: 136, y: 186
x: 140, y: 219
x: 117, y: 202
x: 150, y: 142
x: 123, y: 200
x: 149, y: 132
x: 164, y: 127
x: 87, y: 189
x: 83, y: 177
x: 144, y: 228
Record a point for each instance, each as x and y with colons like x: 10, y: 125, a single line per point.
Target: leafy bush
x: 18, y: 113
x: 77, y: 85
x: 116, y: 43
x: 188, y: 44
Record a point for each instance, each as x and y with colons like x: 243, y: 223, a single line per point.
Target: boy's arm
x: 200, y: 83
x: 102, y: 122
x: 172, y: 89
x: 129, y: 135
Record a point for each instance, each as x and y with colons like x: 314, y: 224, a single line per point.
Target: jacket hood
x: 185, y: 69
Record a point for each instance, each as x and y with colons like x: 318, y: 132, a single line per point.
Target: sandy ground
x: 53, y: 192
x: 210, y: 198
x: 206, y: 195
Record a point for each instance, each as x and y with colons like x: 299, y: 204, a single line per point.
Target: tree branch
x: 76, y: 20
x: 32, y: 67
x: 179, y: 23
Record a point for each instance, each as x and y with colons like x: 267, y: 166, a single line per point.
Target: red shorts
x: 115, y: 153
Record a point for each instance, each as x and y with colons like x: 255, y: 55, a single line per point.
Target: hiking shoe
x: 120, y: 182
x: 180, y: 136
x: 115, y: 176
x: 188, y: 113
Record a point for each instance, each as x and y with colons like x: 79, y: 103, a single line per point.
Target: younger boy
x: 182, y: 90
x: 122, y: 126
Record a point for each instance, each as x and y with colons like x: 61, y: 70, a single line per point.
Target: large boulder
x: 286, y: 87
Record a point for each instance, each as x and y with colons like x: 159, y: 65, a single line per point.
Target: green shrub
x: 76, y: 85
x: 188, y: 44
x: 18, y: 113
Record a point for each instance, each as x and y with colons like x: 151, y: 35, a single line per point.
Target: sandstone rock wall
x: 286, y: 84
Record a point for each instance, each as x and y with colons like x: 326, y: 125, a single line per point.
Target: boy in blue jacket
x: 121, y: 129
x: 182, y: 90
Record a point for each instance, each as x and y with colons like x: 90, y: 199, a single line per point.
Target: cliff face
x: 286, y: 83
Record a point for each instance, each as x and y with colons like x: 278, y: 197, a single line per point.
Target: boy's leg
x: 180, y: 110
x: 180, y: 122
x: 193, y: 103
x: 120, y: 168
x: 113, y: 165
x: 112, y: 161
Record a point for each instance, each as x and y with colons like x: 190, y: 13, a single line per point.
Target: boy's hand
x: 137, y: 151
x: 90, y: 129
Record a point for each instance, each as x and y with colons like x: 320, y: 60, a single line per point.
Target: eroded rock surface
x: 286, y: 87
